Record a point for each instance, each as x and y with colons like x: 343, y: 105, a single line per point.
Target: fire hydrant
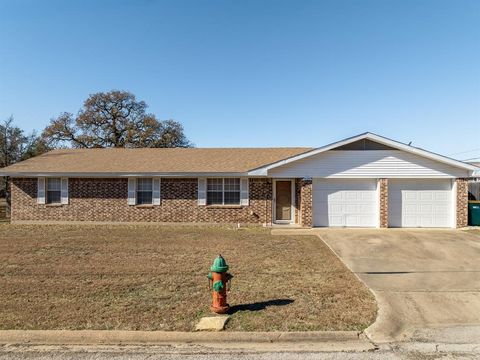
x: 219, y: 283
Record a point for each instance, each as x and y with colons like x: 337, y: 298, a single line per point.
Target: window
x: 54, y: 191
x: 223, y: 191
x: 144, y: 192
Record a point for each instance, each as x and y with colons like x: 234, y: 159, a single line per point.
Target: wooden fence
x: 474, y: 190
x: 3, y: 209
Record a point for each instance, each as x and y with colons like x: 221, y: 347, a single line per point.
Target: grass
x: 154, y: 278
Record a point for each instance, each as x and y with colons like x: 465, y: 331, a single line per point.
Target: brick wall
x: 462, y: 202
x: 306, y: 203
x: 298, y: 197
x: 106, y: 200
x: 383, y: 187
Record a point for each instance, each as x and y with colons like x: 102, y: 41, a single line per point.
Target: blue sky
x: 255, y: 73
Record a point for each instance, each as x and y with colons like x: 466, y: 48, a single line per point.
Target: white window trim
x: 157, y: 191
x: 202, y: 191
x: 41, y: 191
x: 64, y: 195
x: 132, y: 191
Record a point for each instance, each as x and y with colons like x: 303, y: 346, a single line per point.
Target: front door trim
x: 274, y: 202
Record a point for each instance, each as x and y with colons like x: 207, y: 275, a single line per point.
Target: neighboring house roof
x: 476, y: 173
x: 263, y: 170
x: 172, y: 161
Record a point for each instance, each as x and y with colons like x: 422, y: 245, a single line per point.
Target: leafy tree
x: 113, y: 119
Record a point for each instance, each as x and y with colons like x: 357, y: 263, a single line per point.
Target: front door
x: 283, y: 200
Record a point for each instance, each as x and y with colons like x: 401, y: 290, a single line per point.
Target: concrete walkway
x: 426, y: 282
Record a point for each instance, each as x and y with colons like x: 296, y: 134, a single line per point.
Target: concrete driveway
x: 427, y: 282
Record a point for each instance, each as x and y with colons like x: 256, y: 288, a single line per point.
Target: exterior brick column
x: 383, y: 189
x: 306, y: 203
x: 462, y: 202
x: 268, y: 190
x: 298, y: 197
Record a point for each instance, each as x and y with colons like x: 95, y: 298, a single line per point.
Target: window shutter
x: 202, y: 191
x: 244, y: 195
x: 132, y: 191
x: 41, y: 191
x: 64, y: 192
x: 156, y: 191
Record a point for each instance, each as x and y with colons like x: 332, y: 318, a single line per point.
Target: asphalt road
x: 420, y: 351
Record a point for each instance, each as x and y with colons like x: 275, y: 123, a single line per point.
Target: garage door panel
x: 371, y: 195
x: 336, y: 220
x: 441, y: 209
x: 358, y: 220
x: 334, y: 196
x: 426, y: 196
x: 409, y: 196
x: 335, y: 208
x: 409, y: 220
x: 345, y: 202
x: 420, y: 203
x: 441, y: 196
x: 426, y: 221
x: 409, y: 208
x: 426, y: 208
x: 351, y: 196
x: 352, y: 221
x: 439, y: 220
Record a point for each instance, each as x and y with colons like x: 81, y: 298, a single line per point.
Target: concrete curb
x: 114, y: 337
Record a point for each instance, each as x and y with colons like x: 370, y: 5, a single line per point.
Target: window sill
x: 54, y: 205
x: 224, y: 206
x: 144, y: 206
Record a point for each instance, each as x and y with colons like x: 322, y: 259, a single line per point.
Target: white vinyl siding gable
x: 368, y: 164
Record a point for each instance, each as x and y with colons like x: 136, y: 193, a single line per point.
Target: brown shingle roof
x: 176, y: 160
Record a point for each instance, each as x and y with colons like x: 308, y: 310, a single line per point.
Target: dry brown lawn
x: 150, y: 277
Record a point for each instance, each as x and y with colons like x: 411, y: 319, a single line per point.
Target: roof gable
x: 370, y: 138
x: 363, y: 144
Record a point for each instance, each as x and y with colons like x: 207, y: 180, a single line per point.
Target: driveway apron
x: 427, y: 282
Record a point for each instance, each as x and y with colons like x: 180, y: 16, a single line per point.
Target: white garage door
x: 420, y: 203
x: 339, y: 202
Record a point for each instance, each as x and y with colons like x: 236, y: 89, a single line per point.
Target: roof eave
x: 18, y: 174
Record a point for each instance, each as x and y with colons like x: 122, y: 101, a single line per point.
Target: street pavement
x: 421, y: 351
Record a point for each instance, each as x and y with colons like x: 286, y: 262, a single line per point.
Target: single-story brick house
x: 363, y: 181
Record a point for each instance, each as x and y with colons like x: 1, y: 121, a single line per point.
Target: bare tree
x: 16, y: 146
x: 113, y: 119
x: 12, y: 142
